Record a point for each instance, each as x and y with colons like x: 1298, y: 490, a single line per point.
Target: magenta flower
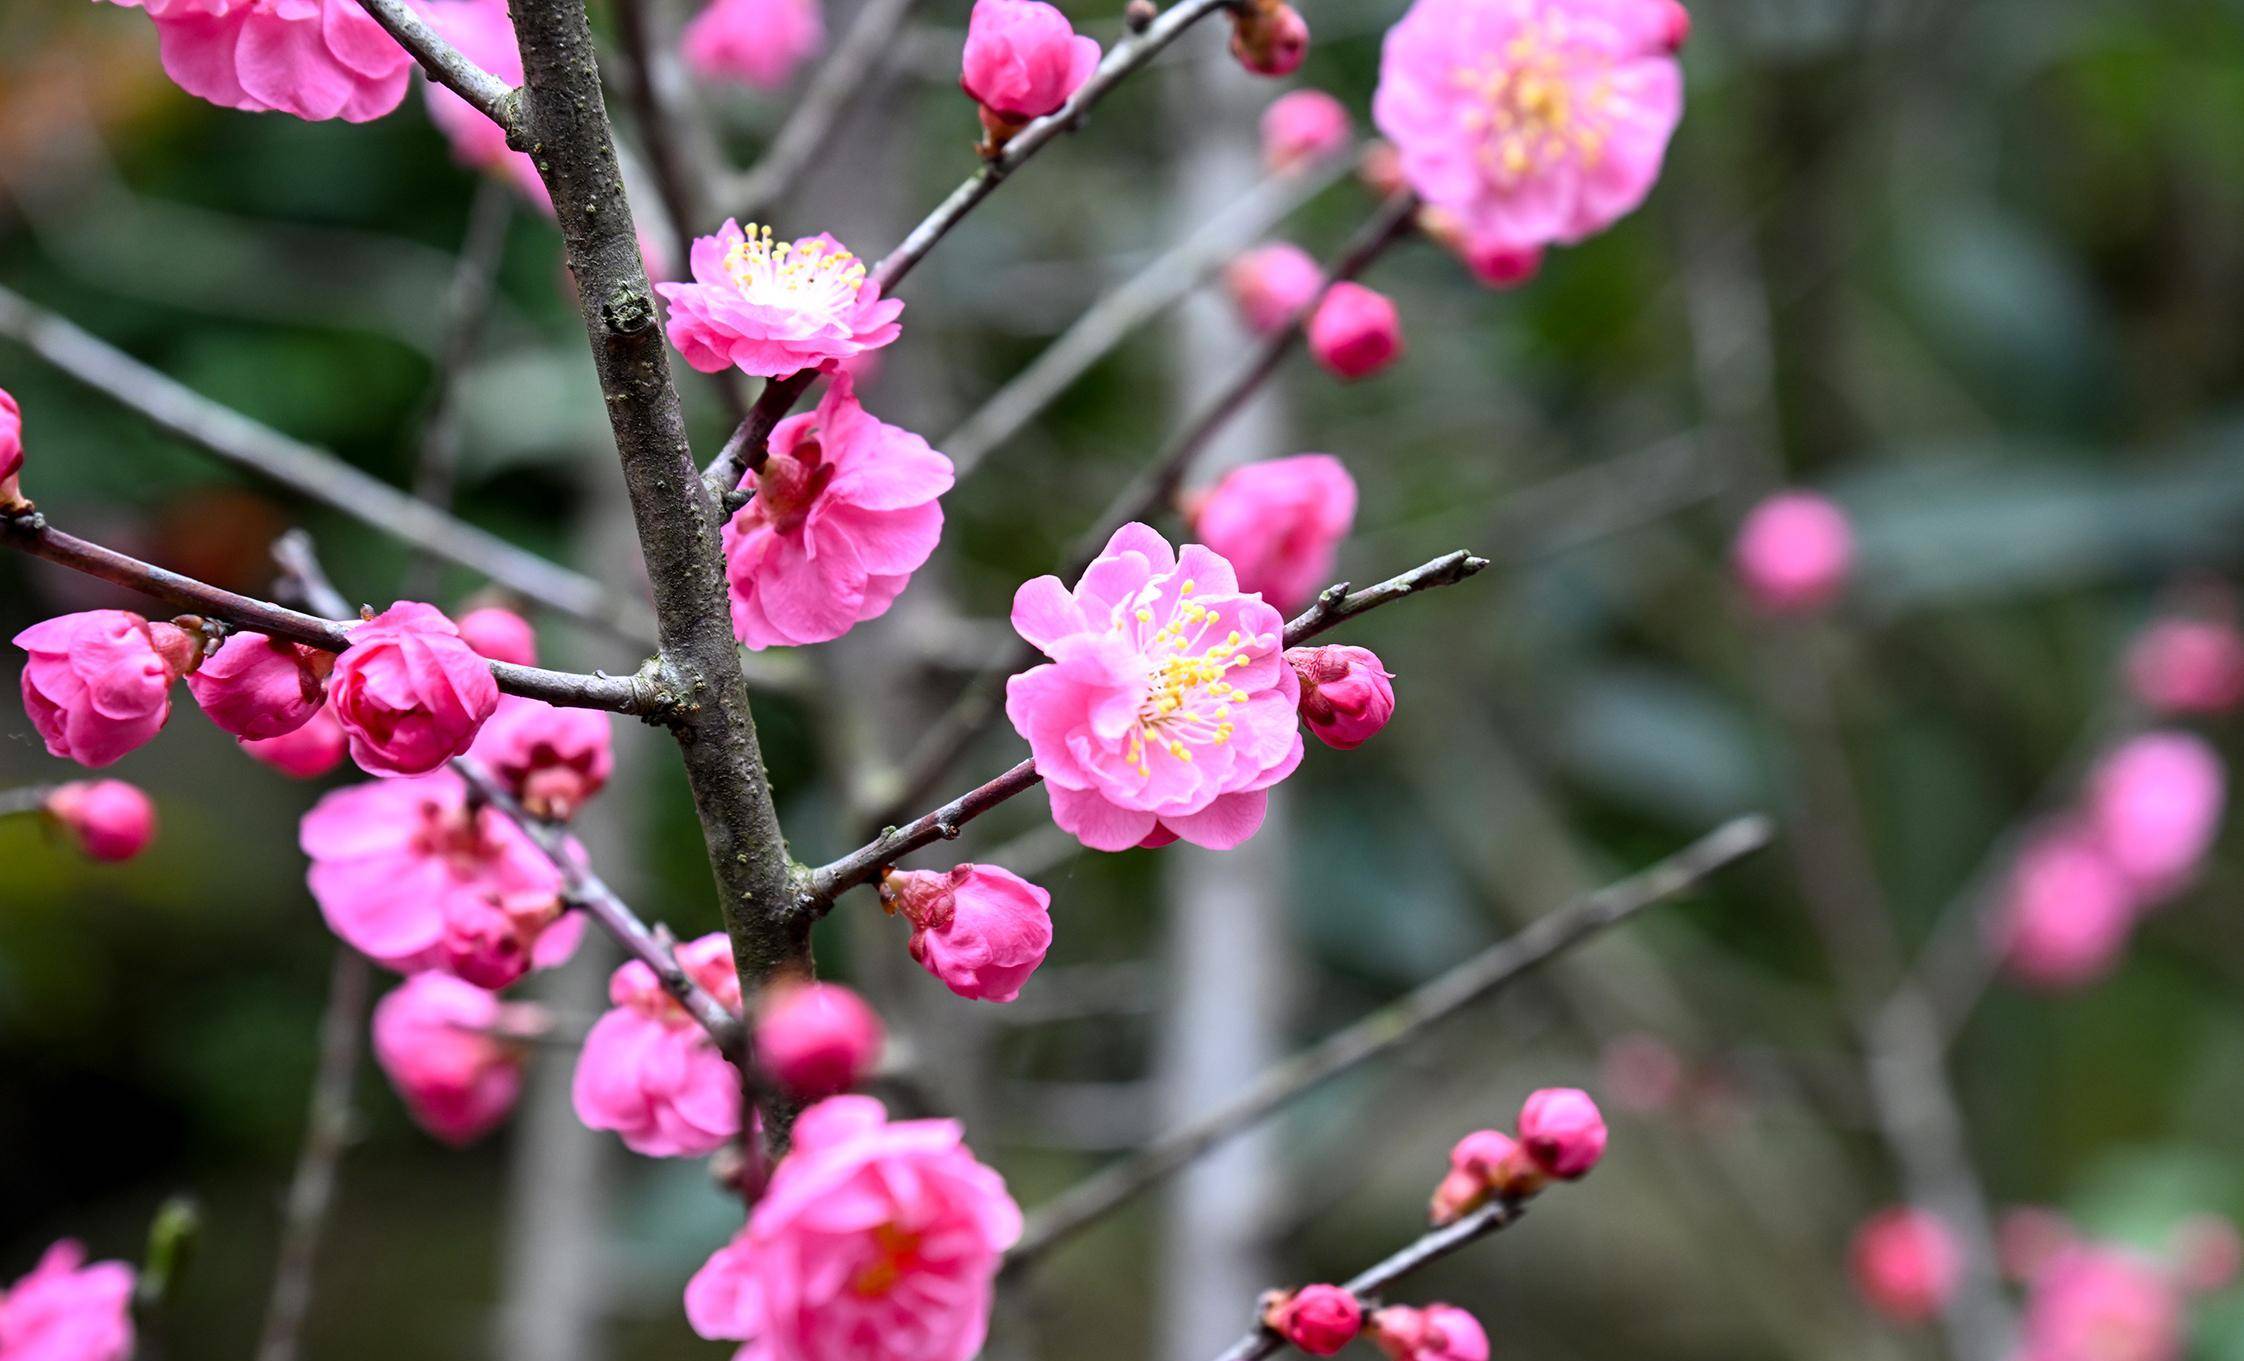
x: 817, y: 1039
x: 409, y: 692
x: 257, y: 687
x: 876, y: 1240
x: 414, y: 879
x: 98, y: 684
x: 1563, y: 1131
x: 1483, y: 1164
x: 774, y: 309
x: 845, y: 511
x: 1355, y: 332
x: 1533, y: 122
x: 1793, y: 553
x: 66, y: 1311
x: 1303, y: 127
x: 1166, y: 708
x: 1270, y: 284
x: 2155, y: 804
x: 1905, y: 1264
x: 500, y: 634
x: 11, y: 452
x: 649, y: 1072
x: 756, y: 42
x: 307, y: 753
x: 109, y: 819
x: 484, y: 34
x: 315, y: 59
x: 552, y: 759
x: 1319, y: 1319
x: 979, y: 928
x: 1279, y: 523
x: 1345, y: 695
x: 1023, y: 59
x: 1438, y: 1332
x: 2066, y: 911
x: 2097, y: 1303
x: 433, y: 1037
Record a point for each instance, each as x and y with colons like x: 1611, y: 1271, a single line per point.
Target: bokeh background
x: 1974, y: 270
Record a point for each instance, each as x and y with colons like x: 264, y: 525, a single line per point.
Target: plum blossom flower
x: 1279, y: 523
x: 1270, y: 284
x: 756, y: 42
x: 2098, y: 1303
x: 2065, y: 913
x: 649, y: 1071
x: 844, y: 512
x: 11, y: 453
x: 483, y: 33
x: 500, y: 634
x: 415, y: 879
x: 1438, y: 1332
x: 409, y: 692
x: 67, y: 1311
x: 1355, y: 331
x: 1303, y: 127
x: 1533, y: 122
x: 775, y: 308
x: 1905, y: 1264
x: 307, y: 753
x: 1793, y: 553
x: 1167, y: 709
x: 108, y: 819
x: 98, y: 684
x: 979, y: 928
x: 1319, y: 1319
x: 316, y: 59
x: 1022, y: 60
x: 1563, y: 1131
x: 876, y: 1240
x: 1345, y: 695
x: 551, y: 758
x: 1484, y: 1164
x: 257, y: 687
x: 2184, y: 665
x: 433, y: 1037
x: 817, y: 1039
x: 2156, y: 804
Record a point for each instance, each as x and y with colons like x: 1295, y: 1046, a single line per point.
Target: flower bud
x: 1355, y: 332
x: 1345, y: 697
x: 98, y: 684
x: 1270, y: 284
x: 433, y: 1037
x: 1675, y: 23
x: 11, y: 455
x: 109, y: 819
x: 2065, y: 913
x: 1484, y: 1164
x: 1279, y: 522
x: 409, y: 692
x: 2188, y: 666
x: 1303, y: 127
x: 1022, y: 61
x: 1438, y: 1332
x: 759, y: 43
x: 817, y: 1039
x: 979, y: 928
x: 257, y: 687
x: 1905, y: 1264
x: 500, y: 635
x: 1319, y: 1319
x: 1269, y: 37
x: 1563, y: 1131
x: 305, y: 754
x: 1793, y: 553
x: 2156, y: 805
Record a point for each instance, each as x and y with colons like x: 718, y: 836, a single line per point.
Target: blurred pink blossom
x: 2155, y: 804
x: 500, y: 635
x: 756, y: 42
x: 1793, y: 553
x: 109, y: 819
x: 775, y: 308
x: 307, y: 753
x: 981, y: 929
x: 551, y: 758
x: 484, y: 34
x: 67, y: 1311
x: 1272, y: 283
x: 1302, y: 127
x: 432, y: 1036
x: 1905, y: 1264
x: 649, y: 1071
x: 315, y: 59
x: 1269, y: 37
x: 11, y: 451
x: 1279, y: 522
x: 1438, y: 1332
x: 2182, y: 665
x: 1355, y: 331
x: 2098, y: 1303
x: 2065, y: 913
x: 816, y: 1039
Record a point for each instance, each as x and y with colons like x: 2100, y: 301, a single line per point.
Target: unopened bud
x: 1319, y: 1319
x: 1345, y: 695
x: 108, y: 819
x: 1269, y: 37
x: 1563, y: 1131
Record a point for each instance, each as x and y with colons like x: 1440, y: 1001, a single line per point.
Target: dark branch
x: 496, y: 99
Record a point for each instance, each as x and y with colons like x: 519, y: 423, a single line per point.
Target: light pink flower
x: 756, y: 42
x: 1167, y: 706
x: 484, y: 34
x: 2095, y: 1303
x: 433, y: 1037
x: 315, y: 59
x: 409, y: 692
x: 11, y: 451
x: 109, y: 819
x: 1272, y: 283
x: 1023, y: 59
x: 1563, y: 1131
x: 67, y: 1311
x: 1438, y: 1332
x: 876, y: 1241
x: 2065, y: 913
x: 2155, y: 804
x: 551, y: 758
x: 1269, y: 38
x: 98, y: 684
x: 775, y: 308
x: 1905, y: 1264
x: 1534, y: 122
x: 1355, y: 332
x: 1319, y: 1319
x: 257, y: 687
x: 1279, y: 523
x: 1303, y: 127
x: 1793, y: 553
x: 981, y: 929
x: 817, y: 1039
x: 307, y: 753
x: 845, y: 511
x: 2182, y: 665
x: 1345, y: 695
x: 500, y: 635
x: 413, y: 879
x: 649, y: 1071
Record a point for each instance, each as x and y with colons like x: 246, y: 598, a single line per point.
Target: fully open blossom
x: 1271, y: 283
x: 409, y: 692
x: 1279, y: 523
x: 817, y: 1039
x: 1022, y: 61
x: 483, y: 33
x: 315, y: 59
x: 1302, y: 127
x: 307, y: 753
x: 2188, y: 666
x: 1563, y: 1131
x: 756, y: 42
x: 1905, y: 1264
x: 1167, y: 708
x: 413, y: 878
x: 98, y: 684
x: 257, y: 687
x: 979, y: 928
x: 11, y: 452
x: 1319, y: 1319
x: 1269, y: 37
x: 433, y: 1037
x: 2065, y: 913
x: 1484, y: 1164
x: 876, y: 1240
x: 1355, y: 331
x: 774, y: 308
x: 65, y: 1310
x: 2155, y: 804
x: 844, y: 512
x: 1793, y: 553
x: 108, y: 819
x: 1438, y: 1332
x: 1534, y: 122
x: 2098, y: 1303
x: 1346, y: 697
x: 550, y: 757
x: 650, y: 1072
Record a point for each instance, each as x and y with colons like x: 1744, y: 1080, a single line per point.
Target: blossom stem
x: 447, y: 66
x: 864, y: 50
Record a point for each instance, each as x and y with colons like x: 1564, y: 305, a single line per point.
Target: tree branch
x: 445, y: 64
x: 863, y: 51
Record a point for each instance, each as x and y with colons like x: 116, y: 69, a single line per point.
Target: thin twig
x: 436, y: 469
x: 29, y: 798
x: 867, y: 47
x: 446, y: 65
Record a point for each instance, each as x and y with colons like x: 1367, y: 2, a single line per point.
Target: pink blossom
x: 1023, y: 59
x: 2095, y: 1303
x: 11, y: 452
x: 98, y: 684
x: 315, y: 59
x: 307, y: 753
x: 2207, y: 1252
x: 1793, y: 553
x: 649, y: 1071
x: 1319, y: 1319
x: 2188, y: 666
x: 979, y: 928
x: 433, y: 1037
x: 844, y: 512
x: 484, y: 34
x: 1355, y: 332
x: 1494, y: 261
x: 774, y: 309
x: 413, y: 878
x: 1484, y: 1164
x: 109, y: 819
x: 1303, y: 127
x: 2065, y: 913
x: 817, y: 1039
x: 1563, y: 1131
x: 500, y: 635
x: 876, y: 1241
x: 409, y: 692
x: 2156, y: 804
x: 551, y: 758
x: 756, y: 42
x: 1167, y: 705
x: 1269, y: 38
x: 1345, y: 695
x: 1279, y: 522
x: 1905, y: 1264
x: 1641, y: 1071
x: 1438, y: 1332
x: 66, y: 1311
x: 1272, y: 283
x: 257, y: 687
x: 1534, y: 122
